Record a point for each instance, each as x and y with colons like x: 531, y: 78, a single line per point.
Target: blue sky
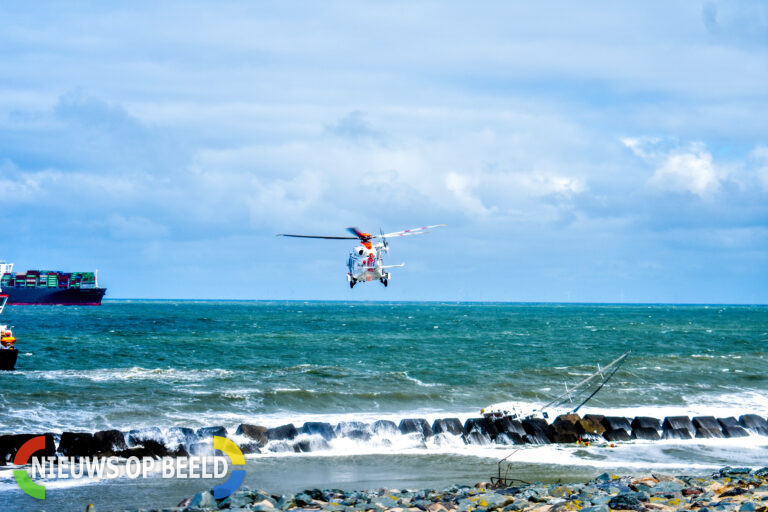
x: 603, y: 151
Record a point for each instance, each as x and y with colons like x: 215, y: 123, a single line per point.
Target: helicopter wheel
x: 352, y: 283
x: 384, y: 282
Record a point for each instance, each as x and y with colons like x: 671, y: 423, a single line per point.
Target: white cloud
x: 691, y: 171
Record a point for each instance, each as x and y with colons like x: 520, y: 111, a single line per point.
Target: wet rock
x: 708, y: 422
x: 735, y: 431
x: 515, y: 427
x: 178, y: 435
x: 448, y: 426
x: 415, y: 425
x: 728, y: 422
x: 78, y: 444
x: 616, y: 423
x: 356, y: 430
x: 208, y: 432
x: 109, y: 441
x: 302, y: 446
x: 202, y: 500
x: 255, y: 432
x: 676, y: 433
x: 626, y: 502
x: 677, y: 423
x: 591, y: 425
x: 707, y: 433
x: 650, y: 434
x: 384, y: 427
x: 734, y: 472
x: 283, y: 432
x: 617, y: 435
x: 646, y: 422
x: 537, y: 430
x: 482, y: 425
x: 325, y: 430
x: 478, y: 438
x: 136, y: 436
x: 508, y: 426
x: 10, y: 444
x: 249, y: 447
x: 754, y: 423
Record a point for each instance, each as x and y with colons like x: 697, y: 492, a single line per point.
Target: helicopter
x: 365, y: 261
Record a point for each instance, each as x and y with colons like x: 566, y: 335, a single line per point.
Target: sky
x: 577, y: 152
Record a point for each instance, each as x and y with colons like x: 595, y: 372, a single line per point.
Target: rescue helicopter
x: 365, y: 261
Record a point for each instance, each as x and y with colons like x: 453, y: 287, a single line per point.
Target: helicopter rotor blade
x: 409, y: 232
x: 321, y: 237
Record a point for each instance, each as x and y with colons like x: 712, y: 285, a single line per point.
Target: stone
x: 709, y: 422
x: 10, y: 444
x: 617, y: 435
x: 202, y: 500
x: 478, y: 438
x: 78, y: 444
x: 384, y: 427
x: 678, y: 423
x: 415, y: 425
x: 255, y: 432
x: 616, y: 423
x: 448, y: 426
x: 325, y: 430
x: 591, y: 425
x: 728, y: 422
x: 646, y: 422
x: 356, y: 430
x: 676, y: 433
x: 208, y: 432
x: 650, y: 434
x: 108, y: 441
x: 281, y: 433
x: 707, y: 433
x: 136, y: 436
x: 754, y: 423
x: 482, y: 425
x: 625, y: 502
x: 735, y: 431
x: 537, y: 430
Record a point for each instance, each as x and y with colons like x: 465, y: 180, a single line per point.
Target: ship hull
x: 55, y: 296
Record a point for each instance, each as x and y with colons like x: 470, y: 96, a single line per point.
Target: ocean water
x: 141, y: 364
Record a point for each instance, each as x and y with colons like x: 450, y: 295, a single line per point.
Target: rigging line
x: 600, y: 386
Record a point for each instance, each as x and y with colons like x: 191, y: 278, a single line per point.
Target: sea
x: 148, y: 365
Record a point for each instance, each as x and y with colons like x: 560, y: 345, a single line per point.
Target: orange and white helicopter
x: 365, y: 262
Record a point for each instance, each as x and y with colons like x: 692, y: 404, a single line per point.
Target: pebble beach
x: 727, y: 490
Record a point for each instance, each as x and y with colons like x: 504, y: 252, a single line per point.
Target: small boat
x: 8, y: 351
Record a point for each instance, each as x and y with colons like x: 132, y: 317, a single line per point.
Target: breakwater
x: 410, y: 432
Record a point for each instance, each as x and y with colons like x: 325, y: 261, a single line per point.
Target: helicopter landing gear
x: 352, y: 283
x: 385, y: 279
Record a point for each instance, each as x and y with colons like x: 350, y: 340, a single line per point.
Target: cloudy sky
x: 611, y: 152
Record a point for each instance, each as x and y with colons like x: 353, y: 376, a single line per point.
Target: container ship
x: 49, y: 287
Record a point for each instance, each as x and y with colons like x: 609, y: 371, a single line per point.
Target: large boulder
x: 728, y: 422
x: 646, y: 433
x: 322, y: 429
x: 618, y: 434
x: 736, y: 431
x: 136, y: 436
x: 566, y: 428
x: 356, y: 430
x: 78, y: 444
x: 676, y: 433
x: 708, y: 422
x: 448, y: 426
x: 708, y: 433
x: 178, y: 435
x: 591, y: 425
x: 646, y: 422
x: 109, y: 441
x: 677, y: 423
x: 415, y: 425
x: 478, y: 438
x: 754, y: 423
x: 384, y: 428
x: 483, y: 425
x: 537, y: 430
x: 282, y: 432
x: 255, y: 432
x: 616, y: 423
x: 208, y: 432
x: 10, y: 444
